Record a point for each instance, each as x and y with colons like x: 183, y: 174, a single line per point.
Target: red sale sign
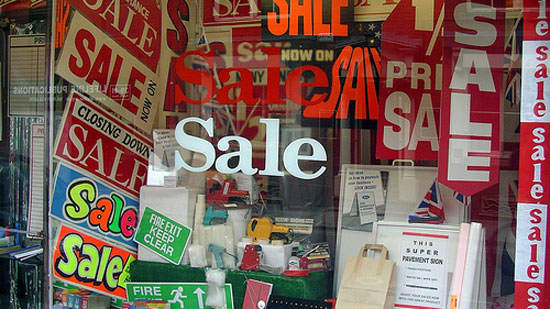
x: 98, y: 144
x: 531, y: 290
x: 471, y: 98
x: 134, y: 24
x: 99, y: 66
x: 410, y: 86
x: 231, y: 12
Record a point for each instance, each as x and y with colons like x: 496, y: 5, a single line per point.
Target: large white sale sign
x: 97, y: 65
x: 471, y: 98
x: 532, y: 290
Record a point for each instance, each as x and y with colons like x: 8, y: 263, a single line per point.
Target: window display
x: 265, y: 154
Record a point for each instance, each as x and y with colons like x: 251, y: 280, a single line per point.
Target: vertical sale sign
x: 410, y: 91
x: 472, y: 97
x: 534, y: 170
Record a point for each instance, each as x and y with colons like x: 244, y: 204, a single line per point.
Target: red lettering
x: 195, y: 77
x: 298, y: 10
x: 100, y: 69
x: 338, y: 29
x: 534, y: 250
x: 541, y: 51
x: 273, y: 73
x: 540, y: 90
x: 326, y: 108
x: 294, y: 86
x: 533, y: 271
x: 535, y: 214
x: 113, y: 81
x: 307, y: 15
x: 178, y: 11
x: 128, y: 223
x: 135, y: 76
x: 246, y: 84
x: 357, y: 93
x: 277, y: 24
x: 535, y: 234
x: 82, y: 38
x: 539, y: 109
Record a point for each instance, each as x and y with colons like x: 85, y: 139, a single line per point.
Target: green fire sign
x: 162, y: 235
x: 177, y: 295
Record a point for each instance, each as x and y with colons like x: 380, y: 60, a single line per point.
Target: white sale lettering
x: 472, y: 68
x: 291, y: 156
x: 471, y: 99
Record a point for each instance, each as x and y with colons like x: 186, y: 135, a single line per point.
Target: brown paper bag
x: 367, y: 283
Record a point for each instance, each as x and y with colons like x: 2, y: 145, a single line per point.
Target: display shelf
x: 312, y: 287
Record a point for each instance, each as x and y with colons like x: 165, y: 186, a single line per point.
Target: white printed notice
x: 366, y: 206
x: 359, y: 179
x: 421, y: 276
x: 361, y: 194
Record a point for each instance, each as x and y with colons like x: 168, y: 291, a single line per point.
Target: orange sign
x: 91, y: 263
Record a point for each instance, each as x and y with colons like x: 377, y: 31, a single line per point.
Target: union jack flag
x: 430, y: 209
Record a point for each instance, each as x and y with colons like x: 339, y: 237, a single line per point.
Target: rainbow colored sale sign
x: 87, y: 203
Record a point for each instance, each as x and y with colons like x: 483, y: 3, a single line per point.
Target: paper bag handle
x: 383, y: 256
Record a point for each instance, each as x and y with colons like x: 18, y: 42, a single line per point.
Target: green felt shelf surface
x: 315, y: 286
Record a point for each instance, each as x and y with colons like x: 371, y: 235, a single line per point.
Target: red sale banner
x: 471, y: 99
x: 410, y: 88
x: 134, y: 24
x: 99, y: 66
x: 532, y: 290
x: 95, y: 142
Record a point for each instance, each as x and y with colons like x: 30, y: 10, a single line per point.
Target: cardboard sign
x: 96, y: 64
x: 410, y: 91
x: 91, y: 263
x: 231, y: 12
x: 531, y: 275
x: 133, y: 24
x: 99, y: 144
x: 472, y: 94
x: 177, y: 294
x: 162, y: 235
x: 89, y: 204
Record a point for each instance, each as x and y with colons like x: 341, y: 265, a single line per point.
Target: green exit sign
x: 162, y: 235
x: 177, y: 295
